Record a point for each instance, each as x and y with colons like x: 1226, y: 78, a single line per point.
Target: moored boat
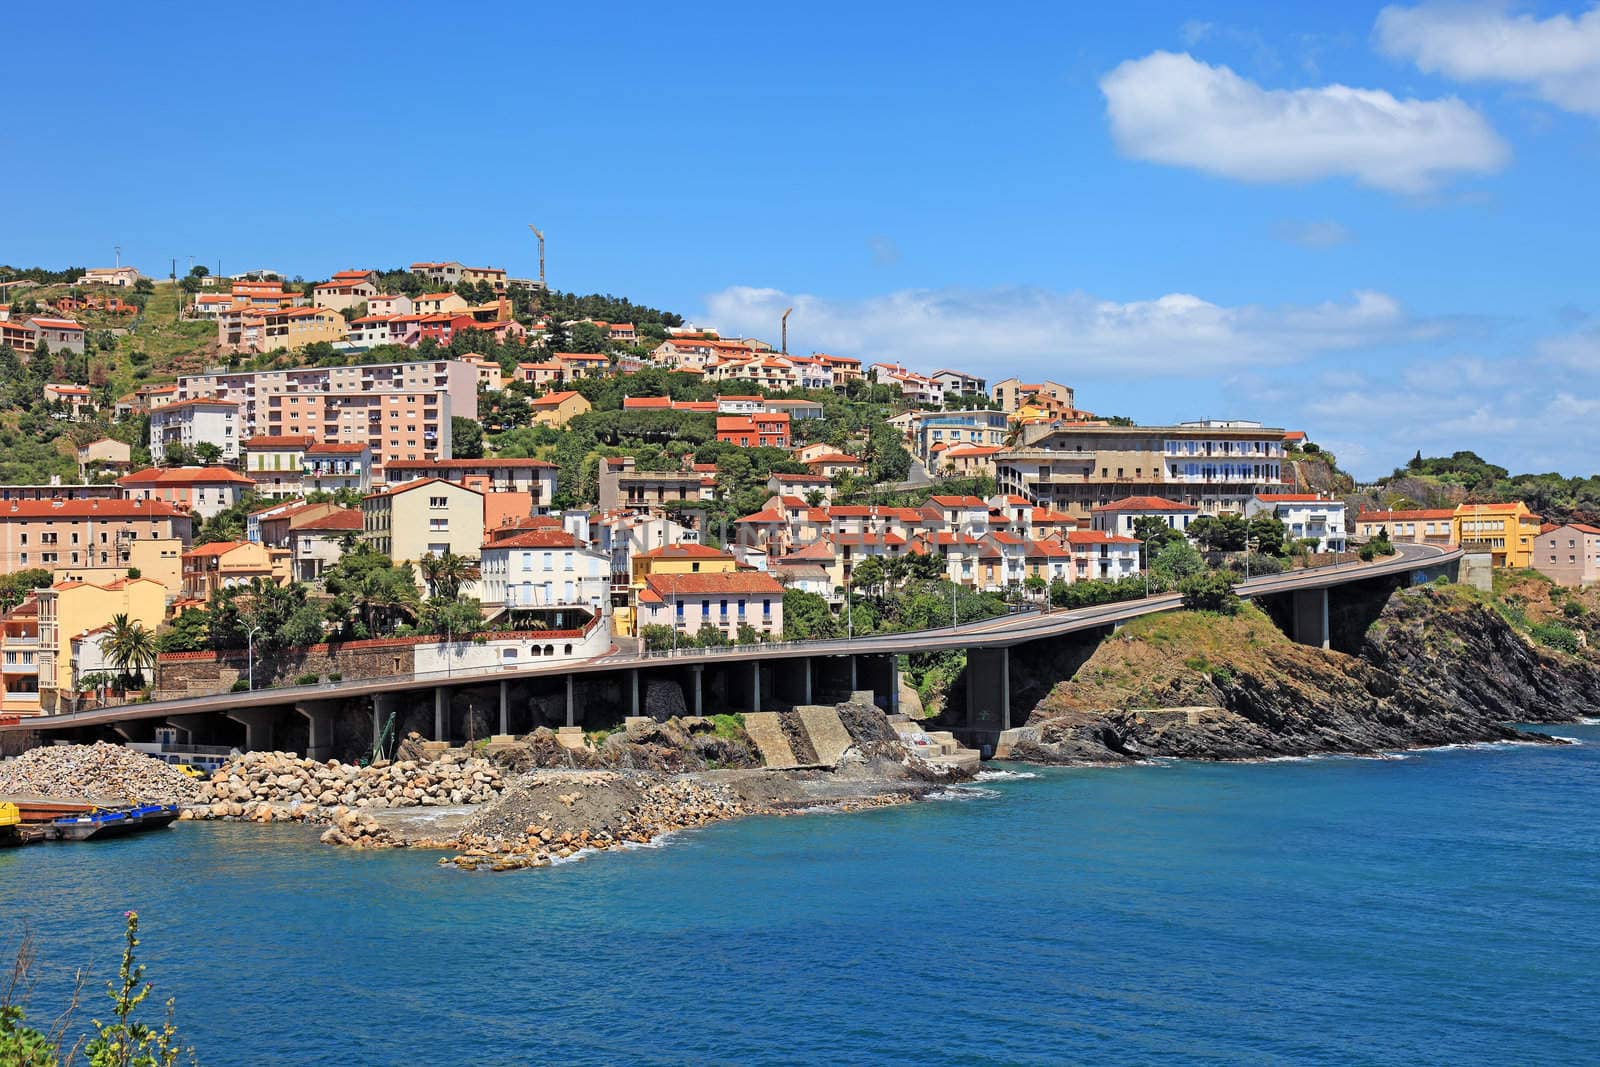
x: 113, y: 822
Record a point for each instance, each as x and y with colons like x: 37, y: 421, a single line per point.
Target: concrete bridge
x: 319, y: 720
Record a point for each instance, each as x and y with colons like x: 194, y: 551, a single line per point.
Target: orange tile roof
x: 536, y: 539
x: 1144, y: 503
x: 88, y: 509
x: 662, y: 587
x: 281, y: 441
x: 184, y: 476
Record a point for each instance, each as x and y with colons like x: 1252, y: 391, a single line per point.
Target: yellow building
x: 428, y: 516
x: 558, y: 409
x: 67, y: 610
x: 19, y: 654
x: 232, y: 565
x: 1505, y: 531
x: 679, y: 559
x: 160, y: 558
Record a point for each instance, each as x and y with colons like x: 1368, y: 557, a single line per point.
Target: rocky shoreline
x: 1436, y: 667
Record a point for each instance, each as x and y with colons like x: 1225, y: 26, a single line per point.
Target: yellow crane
x: 540, y: 235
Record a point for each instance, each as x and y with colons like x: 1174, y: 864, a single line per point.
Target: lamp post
x: 250, y: 654
x: 1146, y: 543
x: 675, y: 619
x: 1247, y: 556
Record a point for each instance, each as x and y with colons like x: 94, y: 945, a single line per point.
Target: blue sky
x: 1376, y: 224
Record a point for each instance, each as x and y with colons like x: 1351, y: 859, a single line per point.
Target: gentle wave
x: 961, y: 792
x: 1000, y: 776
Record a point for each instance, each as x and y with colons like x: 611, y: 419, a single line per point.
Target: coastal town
x: 438, y: 452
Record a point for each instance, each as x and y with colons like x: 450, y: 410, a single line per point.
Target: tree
x: 1219, y: 533
x: 207, y: 453
x: 1036, y: 586
x: 445, y: 575
x: 807, y: 617
x: 1212, y: 591
x: 130, y: 648
x: 15, y: 587
x: 586, y: 337
x: 450, y: 615
x: 658, y: 638
x: 1267, y: 534
x: 466, y: 438
x: 868, y: 575
x: 1154, y: 534
x: 189, y: 632
x: 1175, y: 562
x: 710, y: 635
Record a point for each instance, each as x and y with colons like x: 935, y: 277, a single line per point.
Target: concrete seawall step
x: 828, y: 736
x: 766, y: 731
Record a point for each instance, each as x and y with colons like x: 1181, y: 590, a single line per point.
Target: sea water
x: 1439, y: 908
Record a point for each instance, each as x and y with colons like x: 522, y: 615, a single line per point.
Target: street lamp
x: 675, y: 616
x: 250, y: 653
x: 1146, y: 542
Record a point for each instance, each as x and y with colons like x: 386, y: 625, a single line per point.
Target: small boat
x: 113, y: 822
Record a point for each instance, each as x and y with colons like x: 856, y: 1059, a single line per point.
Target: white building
x: 542, y: 569
x: 1122, y: 516
x: 1304, y: 515
x: 1102, y: 556
x: 191, y: 422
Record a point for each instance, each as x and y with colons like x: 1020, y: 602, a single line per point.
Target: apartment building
x: 1505, y: 531
x: 335, y: 465
x: 1122, y: 516
x: 622, y: 485
x: 1011, y: 392
x: 1569, y: 555
x: 725, y: 600
x: 245, y: 328
x: 316, y: 544
x: 956, y: 383
x: 19, y: 659
x: 104, y: 454
x: 53, y: 533
x: 187, y: 423
x: 277, y: 464
x: 202, y: 491
x: 232, y: 565
x: 121, y: 277
x: 1214, y: 465
x: 535, y: 477
x: 1305, y: 517
x: 160, y: 559
x: 398, y: 410
x: 70, y: 610
x: 1420, y: 527
x: 346, y: 289
x: 542, y: 569
x: 423, y: 517
x: 981, y: 427
x: 761, y: 430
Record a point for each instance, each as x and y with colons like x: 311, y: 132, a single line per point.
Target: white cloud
x: 1324, y: 234
x: 1529, y: 411
x: 1171, y: 108
x: 1027, y: 330
x: 1558, y: 57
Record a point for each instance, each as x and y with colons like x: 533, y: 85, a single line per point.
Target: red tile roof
x: 88, y: 509
x: 535, y: 539
x: 1296, y: 498
x: 684, y: 551
x: 488, y: 463
x: 659, y: 588
x: 1144, y: 503
x: 1405, y: 516
x: 184, y: 476
x: 1098, y: 537
x: 281, y: 441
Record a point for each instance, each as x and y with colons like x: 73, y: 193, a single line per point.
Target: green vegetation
x: 1465, y: 477
x: 729, y: 726
x: 1556, y: 635
x: 1211, y: 592
x: 126, y: 1041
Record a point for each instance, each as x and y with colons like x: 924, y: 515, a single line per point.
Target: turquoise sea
x: 1443, y: 907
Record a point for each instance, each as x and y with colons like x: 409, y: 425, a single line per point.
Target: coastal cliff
x: 1438, y: 666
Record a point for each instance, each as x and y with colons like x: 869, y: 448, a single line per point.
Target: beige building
x: 160, y: 559
x: 429, y: 516
x: 1214, y: 465
x: 55, y: 533
x: 623, y: 485
x: 1418, y: 527
x: 232, y: 565
x: 105, y: 453
x: 1011, y: 392
x: 1569, y: 555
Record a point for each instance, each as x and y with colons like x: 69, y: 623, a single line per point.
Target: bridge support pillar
x: 505, y: 707
x: 441, y: 713
x: 633, y: 692
x: 755, y: 685
x: 696, y: 685
x: 853, y: 682
x: 572, y: 703
x: 1311, y: 617
x: 989, y: 691
x: 319, y: 742
x: 805, y: 680
x: 257, y: 723
x: 189, y: 724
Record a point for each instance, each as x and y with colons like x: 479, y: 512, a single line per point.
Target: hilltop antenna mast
x: 540, y: 235
x: 119, y: 254
x: 784, y: 323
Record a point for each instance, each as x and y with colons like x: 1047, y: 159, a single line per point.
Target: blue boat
x: 113, y: 822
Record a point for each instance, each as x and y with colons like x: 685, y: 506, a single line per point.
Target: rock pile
x: 282, y: 779
x: 553, y: 816
x: 97, y: 772
x: 358, y: 831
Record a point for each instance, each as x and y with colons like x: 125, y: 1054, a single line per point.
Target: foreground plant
x: 126, y: 1041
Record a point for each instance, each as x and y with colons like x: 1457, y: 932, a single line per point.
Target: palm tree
x: 130, y: 647
x: 446, y: 574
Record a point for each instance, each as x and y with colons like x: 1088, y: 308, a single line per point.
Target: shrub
x: 1375, y: 548
x: 307, y: 679
x: 1555, y: 635
x: 241, y: 686
x: 1573, y: 609
x: 335, y: 677
x: 728, y: 726
x: 1210, y: 592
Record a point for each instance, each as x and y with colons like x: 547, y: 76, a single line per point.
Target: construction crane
x: 540, y: 235
x: 784, y: 324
